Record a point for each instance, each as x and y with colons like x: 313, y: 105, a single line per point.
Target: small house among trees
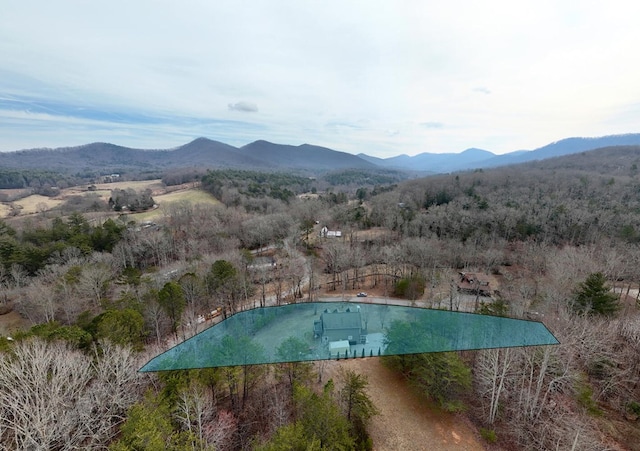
x: 131, y: 200
x: 111, y: 178
x: 338, y: 326
x: 474, y: 283
x: 326, y: 233
x: 268, y: 262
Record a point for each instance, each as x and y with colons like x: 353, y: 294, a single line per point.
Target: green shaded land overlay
x: 338, y: 330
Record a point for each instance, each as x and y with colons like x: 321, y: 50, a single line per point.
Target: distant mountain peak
x: 259, y: 142
x: 201, y: 139
x: 262, y: 154
x: 476, y: 150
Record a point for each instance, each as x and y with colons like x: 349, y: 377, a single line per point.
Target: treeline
x: 39, y: 181
x: 364, y: 178
x: 254, y: 184
x: 183, y: 175
x: 33, y: 248
x: 235, y: 187
x: 46, y: 183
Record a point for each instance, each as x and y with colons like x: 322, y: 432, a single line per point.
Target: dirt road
x: 407, y: 422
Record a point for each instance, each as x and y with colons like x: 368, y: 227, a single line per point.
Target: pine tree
x: 593, y: 296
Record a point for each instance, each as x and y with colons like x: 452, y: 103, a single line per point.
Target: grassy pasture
x: 164, y: 201
x: 163, y: 196
x: 195, y: 196
x: 36, y: 203
x: 138, y: 185
x: 4, y: 211
x: 104, y: 189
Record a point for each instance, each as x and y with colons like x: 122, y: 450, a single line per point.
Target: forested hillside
x: 66, y: 166
x: 559, y: 239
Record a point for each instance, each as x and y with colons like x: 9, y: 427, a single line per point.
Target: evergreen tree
x: 443, y: 376
x: 171, y: 299
x: 593, y: 296
x: 356, y: 404
x: 321, y: 418
x: 149, y: 427
x: 292, y: 351
x: 123, y: 327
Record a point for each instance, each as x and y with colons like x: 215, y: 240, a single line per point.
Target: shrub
x: 410, y: 288
x: 633, y: 407
x: 489, y: 435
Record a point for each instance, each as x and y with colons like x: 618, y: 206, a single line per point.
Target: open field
x: 164, y: 201
x: 195, y: 196
x: 162, y: 195
x: 103, y: 190
x: 36, y: 203
x: 4, y: 210
x: 138, y: 185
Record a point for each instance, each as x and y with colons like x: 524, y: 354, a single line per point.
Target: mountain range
x: 477, y: 158
x: 264, y: 155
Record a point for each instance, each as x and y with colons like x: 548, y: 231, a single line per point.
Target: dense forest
x: 561, y: 237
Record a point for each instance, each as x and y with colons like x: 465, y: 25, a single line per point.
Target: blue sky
x: 383, y: 78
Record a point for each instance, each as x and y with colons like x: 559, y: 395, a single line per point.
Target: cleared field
x: 138, y: 185
x: 37, y: 203
x: 4, y: 210
x: 104, y: 189
x: 164, y: 201
x: 162, y: 195
x: 195, y: 196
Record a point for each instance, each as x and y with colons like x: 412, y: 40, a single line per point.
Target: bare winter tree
x: 55, y: 397
x: 296, y: 272
x: 193, y: 411
x: 158, y: 245
x: 38, y: 393
x: 19, y: 275
x: 38, y: 303
x: 93, y: 282
x: 220, y: 432
x: 492, y: 370
x: 114, y: 388
x: 155, y: 315
x: 336, y: 259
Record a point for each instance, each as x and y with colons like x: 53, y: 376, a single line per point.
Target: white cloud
x: 245, y: 107
x: 482, y: 90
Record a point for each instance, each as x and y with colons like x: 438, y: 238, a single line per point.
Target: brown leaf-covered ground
x: 407, y: 421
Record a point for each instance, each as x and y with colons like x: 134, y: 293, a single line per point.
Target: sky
x: 378, y: 77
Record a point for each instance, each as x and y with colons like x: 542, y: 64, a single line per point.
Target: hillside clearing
x: 164, y: 202
x: 407, y: 421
